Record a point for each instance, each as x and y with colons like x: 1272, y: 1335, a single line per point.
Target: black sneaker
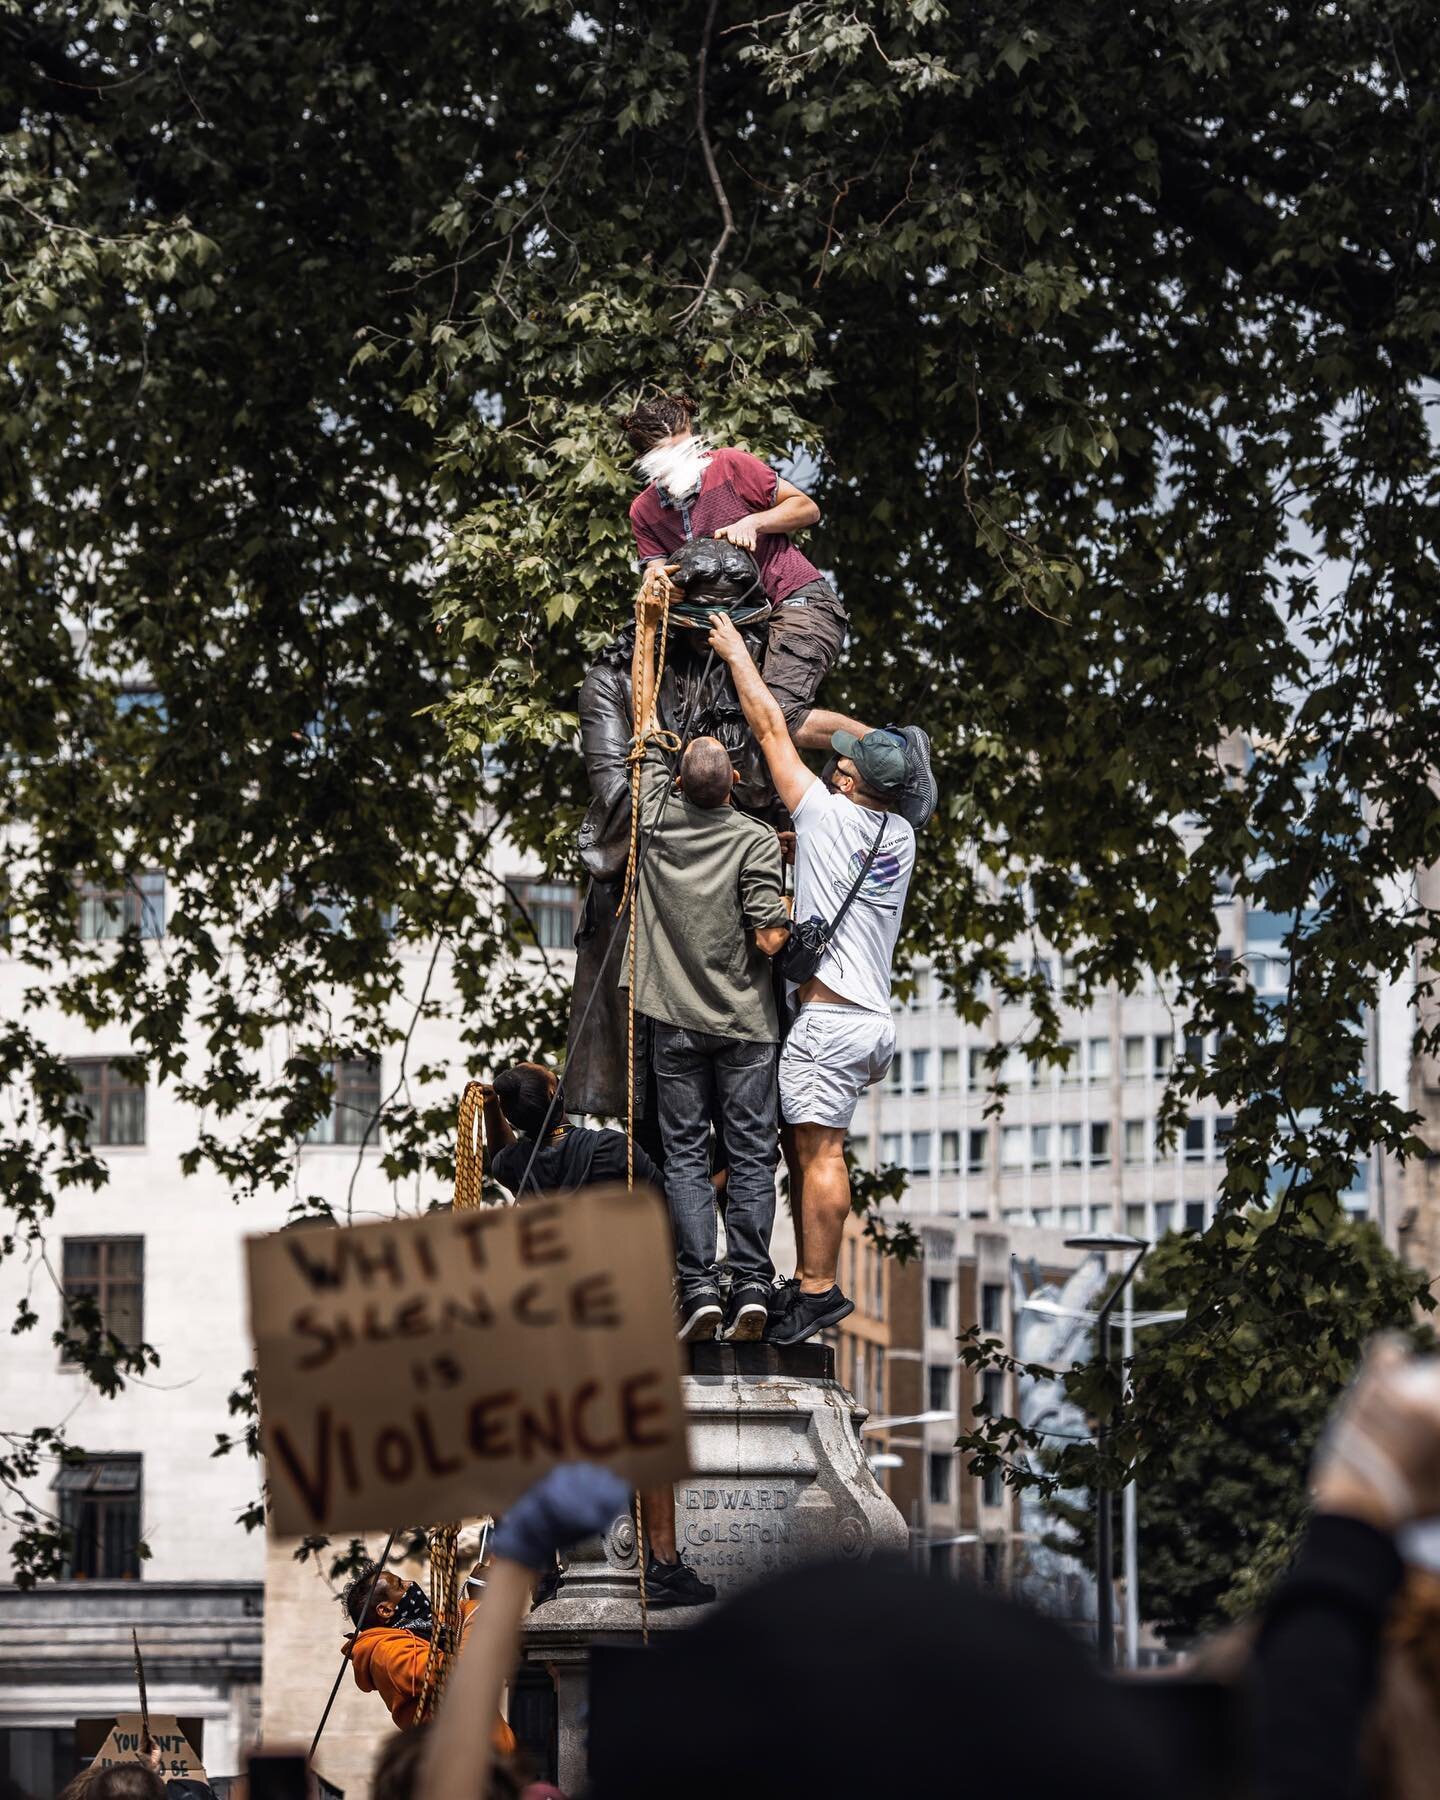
x: 919, y: 794
x: 808, y: 1313
x: 700, y: 1318
x: 747, y: 1315
x: 675, y: 1584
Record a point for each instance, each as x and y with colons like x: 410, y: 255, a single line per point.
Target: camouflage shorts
x: 807, y: 634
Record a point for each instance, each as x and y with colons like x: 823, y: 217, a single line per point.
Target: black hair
x: 705, y: 772
x: 365, y: 1586
x: 654, y: 420
x: 524, y: 1096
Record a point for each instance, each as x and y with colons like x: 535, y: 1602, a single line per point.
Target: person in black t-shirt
x: 569, y: 1157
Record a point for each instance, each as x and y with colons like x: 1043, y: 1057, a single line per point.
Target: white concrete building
x: 162, y: 1253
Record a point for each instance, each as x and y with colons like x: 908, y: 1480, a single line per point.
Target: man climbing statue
x: 854, y: 853
x: 694, y: 491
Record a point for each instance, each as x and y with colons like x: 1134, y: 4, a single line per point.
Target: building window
x: 993, y: 1488
x: 895, y: 1074
x: 1134, y: 1140
x: 977, y: 1141
x: 1071, y: 1146
x: 992, y: 1306
x: 992, y: 1394
x: 1135, y: 1220
x: 1100, y: 1218
x: 1163, y: 1050
x: 1071, y: 1218
x: 114, y: 1105
x: 949, y: 1152
x: 1134, y: 1058
x: 949, y: 1069
x: 1195, y: 1140
x: 356, y: 1101
x: 892, y: 1149
x: 134, y: 905
x: 919, y: 1152
x: 1164, y: 1217
x: 111, y: 1272
x: 1072, y: 1071
x: 860, y: 1151
x: 1100, y: 1059
x: 546, y: 913
x: 100, y: 1509
x: 1163, y: 1150
x: 1224, y: 1130
x: 938, y: 1388
x: 1039, y: 1146
x: 977, y: 1076
x: 940, y: 1462
x: 1043, y: 1215
x: 1194, y: 1215
x: 919, y: 1071
x: 1195, y: 1048
x: 939, y: 1304
x: 1012, y: 1147
x: 1099, y: 1143
x: 1016, y: 1069
x: 920, y: 999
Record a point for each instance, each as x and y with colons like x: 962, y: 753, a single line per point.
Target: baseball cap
x: 879, y: 756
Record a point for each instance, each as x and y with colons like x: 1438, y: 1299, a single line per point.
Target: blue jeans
x: 699, y: 1074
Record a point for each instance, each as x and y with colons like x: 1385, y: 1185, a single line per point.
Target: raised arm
x: 792, y: 779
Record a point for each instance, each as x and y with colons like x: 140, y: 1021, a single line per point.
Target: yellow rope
x: 645, y: 700
x: 443, y: 1539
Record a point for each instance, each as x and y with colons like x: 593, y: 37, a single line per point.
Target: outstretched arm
x: 792, y: 779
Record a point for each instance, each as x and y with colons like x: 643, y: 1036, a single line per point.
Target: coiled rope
x: 444, y: 1539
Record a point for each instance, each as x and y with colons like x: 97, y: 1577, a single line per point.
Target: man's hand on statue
x: 657, y: 585
x: 742, y: 532
x: 725, y: 640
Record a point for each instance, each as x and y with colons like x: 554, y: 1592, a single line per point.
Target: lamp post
x: 1102, y: 1243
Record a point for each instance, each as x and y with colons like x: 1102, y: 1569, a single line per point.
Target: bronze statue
x: 696, y: 698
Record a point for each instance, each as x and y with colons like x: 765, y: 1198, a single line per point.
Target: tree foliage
x: 1221, y: 1503
x: 1107, y: 332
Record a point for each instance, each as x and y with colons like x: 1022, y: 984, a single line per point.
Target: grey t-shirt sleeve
x: 762, y: 884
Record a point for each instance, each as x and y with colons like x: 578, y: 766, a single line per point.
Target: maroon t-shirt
x: 734, y: 484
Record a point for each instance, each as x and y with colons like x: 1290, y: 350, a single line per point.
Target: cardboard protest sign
x: 434, y: 1368
x: 128, y: 1735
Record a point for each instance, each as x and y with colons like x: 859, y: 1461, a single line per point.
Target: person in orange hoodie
x: 390, y: 1645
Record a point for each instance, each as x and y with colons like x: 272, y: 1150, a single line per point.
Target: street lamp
x: 925, y: 1418
x: 1101, y: 1243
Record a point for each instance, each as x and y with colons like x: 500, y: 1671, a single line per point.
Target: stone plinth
x: 779, y: 1479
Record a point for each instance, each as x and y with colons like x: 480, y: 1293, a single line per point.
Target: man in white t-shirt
x: 842, y: 1039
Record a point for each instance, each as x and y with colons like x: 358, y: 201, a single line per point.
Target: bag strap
x: 870, y: 856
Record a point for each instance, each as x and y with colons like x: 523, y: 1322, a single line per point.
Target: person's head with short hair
x: 706, y: 773
x: 388, y: 1592
x: 525, y: 1094
x: 658, y: 422
x: 396, y: 1775
x: 125, y: 1781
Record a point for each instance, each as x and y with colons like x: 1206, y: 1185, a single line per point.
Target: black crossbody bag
x: 809, y: 940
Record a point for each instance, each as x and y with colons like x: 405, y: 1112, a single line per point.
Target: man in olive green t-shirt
x: 710, y: 914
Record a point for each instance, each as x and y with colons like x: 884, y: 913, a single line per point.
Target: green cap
x: 879, y: 756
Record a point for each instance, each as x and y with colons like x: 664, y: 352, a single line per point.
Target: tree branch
x: 717, y: 186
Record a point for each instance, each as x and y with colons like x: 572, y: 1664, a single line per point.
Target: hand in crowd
x: 725, y: 640
x: 1379, y: 1459
x: 787, y: 846
x: 575, y: 1501
x: 742, y: 532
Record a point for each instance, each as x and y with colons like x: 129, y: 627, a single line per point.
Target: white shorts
x: 833, y: 1053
